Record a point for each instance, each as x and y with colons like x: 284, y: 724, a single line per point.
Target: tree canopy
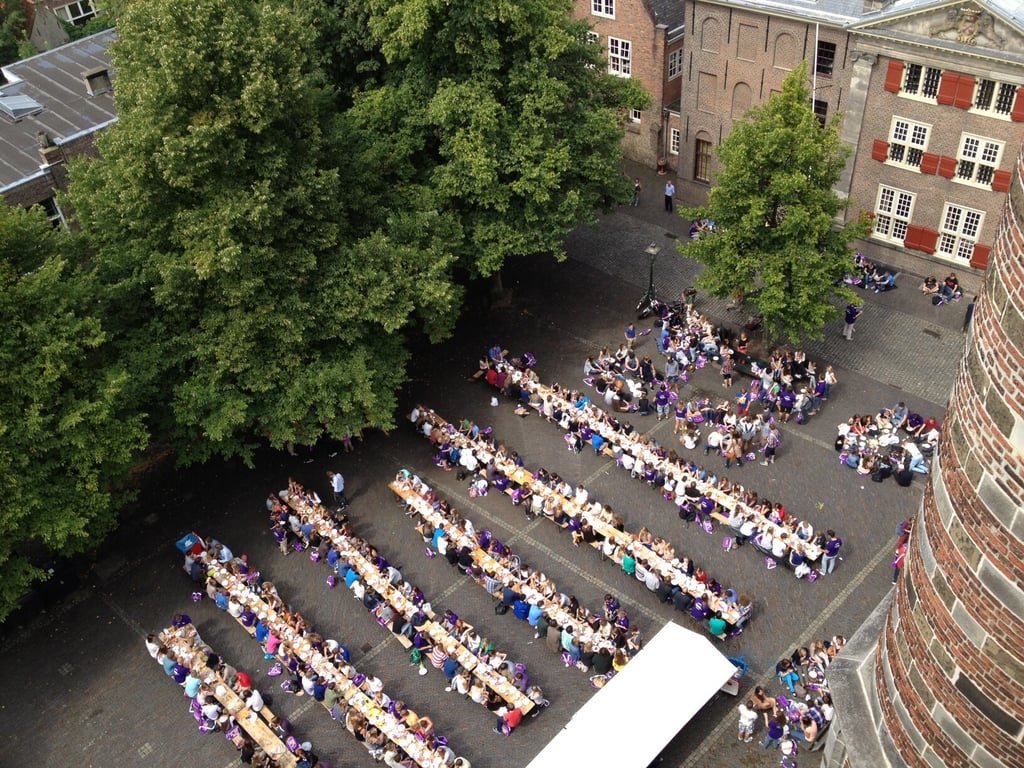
x: 67, y: 433
x: 289, y: 192
x: 774, y: 210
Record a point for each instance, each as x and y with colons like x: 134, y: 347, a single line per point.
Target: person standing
x: 670, y: 193
x: 897, y: 564
x: 338, y: 486
x: 748, y: 717
x: 771, y: 445
x: 852, y: 313
x: 832, y: 546
x: 636, y: 193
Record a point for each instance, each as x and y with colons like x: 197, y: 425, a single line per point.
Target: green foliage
x: 775, y: 209
x: 245, y: 293
x: 12, y: 33
x: 66, y: 435
x: 514, y: 124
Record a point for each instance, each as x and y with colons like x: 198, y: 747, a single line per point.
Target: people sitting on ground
x: 930, y: 286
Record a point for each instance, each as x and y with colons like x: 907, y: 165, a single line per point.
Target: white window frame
x: 894, y: 209
x: 917, y: 78
x: 603, y: 8
x: 635, y: 115
x: 908, y: 140
x: 958, y: 232
x: 986, y: 98
x: 977, y: 160
x: 77, y: 12
x: 620, y: 57
x: 675, y: 63
x: 674, y: 140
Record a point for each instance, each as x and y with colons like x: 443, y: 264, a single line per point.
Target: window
x: 702, y: 161
x: 635, y: 115
x: 53, y: 211
x: 959, y: 232
x: 978, y: 159
x: 994, y: 98
x: 821, y: 111
x: 921, y: 81
x: 907, y: 142
x: 618, y: 57
x: 604, y: 8
x: 675, y: 63
x: 673, y: 141
x: 592, y: 37
x: 892, y: 214
x: 825, y: 61
x: 76, y: 13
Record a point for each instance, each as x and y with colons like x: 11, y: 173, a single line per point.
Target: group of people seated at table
x: 205, y: 678
x: 894, y: 442
x: 698, y: 493
x: 795, y: 717
x: 676, y: 580
x: 425, y: 647
x: 527, y: 593
x: 299, y: 652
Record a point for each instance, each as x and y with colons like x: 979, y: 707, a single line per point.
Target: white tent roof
x: 629, y: 721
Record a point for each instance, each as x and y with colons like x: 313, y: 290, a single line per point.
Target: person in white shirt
x: 748, y: 717
x: 581, y: 495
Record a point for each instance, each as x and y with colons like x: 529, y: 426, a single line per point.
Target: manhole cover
x: 671, y: 235
x: 365, y: 647
x: 146, y: 750
x: 930, y: 332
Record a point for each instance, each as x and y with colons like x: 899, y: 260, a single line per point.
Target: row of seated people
x: 870, y: 276
x: 588, y: 520
x: 527, y: 593
x: 944, y: 292
x: 223, y: 699
x: 307, y: 659
x: 888, y: 423
x: 402, y: 607
x: 617, y: 441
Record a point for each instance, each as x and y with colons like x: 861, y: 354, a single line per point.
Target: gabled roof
x: 987, y: 29
x: 671, y: 13
x: 54, y: 82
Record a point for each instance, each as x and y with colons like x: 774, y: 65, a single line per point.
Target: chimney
x: 49, y: 153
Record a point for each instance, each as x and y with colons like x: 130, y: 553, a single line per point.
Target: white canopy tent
x: 629, y: 721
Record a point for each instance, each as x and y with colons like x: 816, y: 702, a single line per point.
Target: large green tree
x: 245, y: 282
x: 504, y: 111
x: 67, y: 433
x: 775, y: 210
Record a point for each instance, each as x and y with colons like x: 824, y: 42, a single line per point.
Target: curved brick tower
x: 936, y: 676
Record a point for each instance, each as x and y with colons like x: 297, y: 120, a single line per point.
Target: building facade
x: 942, y: 86
x: 930, y: 93
x: 642, y: 39
x: 936, y: 677
x: 737, y: 55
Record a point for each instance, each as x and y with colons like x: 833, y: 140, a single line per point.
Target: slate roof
x: 836, y: 13
x: 54, y: 80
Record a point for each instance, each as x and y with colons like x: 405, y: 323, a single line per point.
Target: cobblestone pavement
x: 81, y: 690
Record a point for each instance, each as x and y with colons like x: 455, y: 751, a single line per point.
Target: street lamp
x: 646, y: 305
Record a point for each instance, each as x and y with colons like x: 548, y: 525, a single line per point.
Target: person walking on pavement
x: 852, y: 313
x: 338, y: 486
x: 636, y: 193
x: 670, y: 193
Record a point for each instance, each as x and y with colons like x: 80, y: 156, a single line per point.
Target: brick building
x: 936, y: 676
x: 642, y: 39
x: 51, y: 108
x: 939, y: 93
x: 737, y: 54
x: 931, y: 94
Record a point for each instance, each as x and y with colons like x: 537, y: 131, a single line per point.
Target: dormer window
x: 97, y: 81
